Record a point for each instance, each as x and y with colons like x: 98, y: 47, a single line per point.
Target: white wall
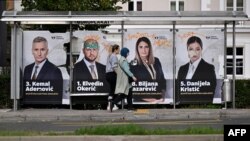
x: 17, y: 5
x: 247, y: 7
x: 205, y: 5
x: 246, y: 61
x: 155, y: 5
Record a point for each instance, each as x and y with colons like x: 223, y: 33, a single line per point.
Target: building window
x: 239, y: 61
x: 235, y: 5
x: 138, y: 6
x: 131, y: 6
x: 177, y: 5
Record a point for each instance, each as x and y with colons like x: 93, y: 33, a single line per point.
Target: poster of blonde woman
x: 91, y: 50
x: 199, y: 65
x: 150, y: 60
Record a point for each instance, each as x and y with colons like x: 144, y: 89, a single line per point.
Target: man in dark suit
x: 48, y: 72
x: 197, y: 76
x: 88, y: 69
x: 42, y: 70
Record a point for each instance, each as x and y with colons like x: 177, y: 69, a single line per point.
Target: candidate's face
x: 143, y: 49
x: 194, y: 51
x: 90, y: 54
x: 39, y: 51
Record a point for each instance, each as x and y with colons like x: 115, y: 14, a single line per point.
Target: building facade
x: 242, y: 28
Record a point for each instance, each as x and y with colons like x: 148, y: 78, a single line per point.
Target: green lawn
x: 127, y: 129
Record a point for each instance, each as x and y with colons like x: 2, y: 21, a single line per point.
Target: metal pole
x: 14, y: 67
x: 122, y: 45
x: 174, y: 63
x: 122, y: 34
x: 71, y: 64
x: 225, y: 58
x: 234, y: 63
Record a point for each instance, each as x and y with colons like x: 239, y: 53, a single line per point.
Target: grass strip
x: 127, y: 129
x: 132, y: 129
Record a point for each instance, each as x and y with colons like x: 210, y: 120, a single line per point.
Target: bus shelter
x: 169, y: 33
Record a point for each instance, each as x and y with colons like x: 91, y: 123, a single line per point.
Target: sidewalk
x: 118, y: 138
x: 120, y: 115
x: 7, y: 115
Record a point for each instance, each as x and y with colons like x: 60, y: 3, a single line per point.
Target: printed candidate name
x: 86, y: 86
x: 188, y: 86
x: 39, y: 87
x: 145, y: 86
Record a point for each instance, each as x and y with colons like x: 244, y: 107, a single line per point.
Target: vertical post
x: 225, y: 58
x: 174, y: 63
x: 234, y: 63
x: 122, y: 34
x: 3, y: 39
x: 122, y: 45
x: 14, y: 68
x: 71, y: 64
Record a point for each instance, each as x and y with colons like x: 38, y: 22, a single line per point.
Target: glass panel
x: 239, y: 51
x: 239, y: 70
x: 230, y: 3
x: 229, y: 70
x: 230, y: 62
x: 139, y: 6
x: 230, y: 9
x: 239, y: 3
x: 229, y: 51
x: 239, y: 62
x: 131, y: 6
x: 181, y: 6
x: 173, y: 6
x: 239, y: 8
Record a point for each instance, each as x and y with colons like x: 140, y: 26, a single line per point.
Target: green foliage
x: 127, y: 129
x: 70, y: 5
x: 242, y: 96
x: 5, y: 101
x: 132, y: 129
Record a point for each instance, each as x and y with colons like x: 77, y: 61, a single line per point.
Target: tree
x: 71, y: 5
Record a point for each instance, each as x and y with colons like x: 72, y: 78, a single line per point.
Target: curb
x: 121, y: 115
x: 117, y: 138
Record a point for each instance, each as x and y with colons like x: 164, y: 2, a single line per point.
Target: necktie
x: 193, y: 68
x: 35, y: 73
x: 92, y: 71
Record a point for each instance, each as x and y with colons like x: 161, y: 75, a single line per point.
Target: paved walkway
x: 7, y: 115
x: 119, y: 138
x: 103, y: 115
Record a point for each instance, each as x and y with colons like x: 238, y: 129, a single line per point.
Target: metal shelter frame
x: 16, y: 18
